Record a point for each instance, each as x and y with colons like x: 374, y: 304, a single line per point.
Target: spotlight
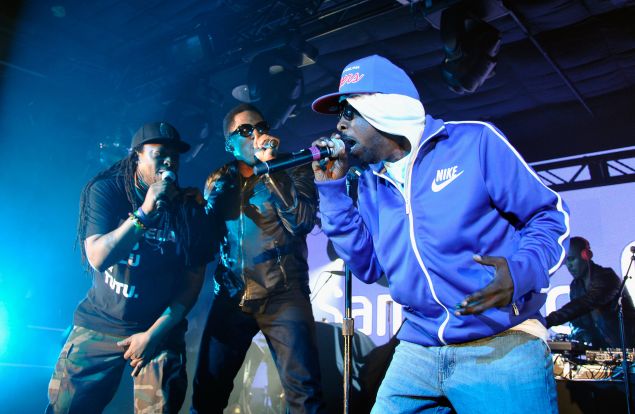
x: 274, y: 78
x: 197, y: 45
x: 471, y: 46
x: 275, y: 82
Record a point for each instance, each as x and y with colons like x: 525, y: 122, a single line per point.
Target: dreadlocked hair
x: 126, y: 168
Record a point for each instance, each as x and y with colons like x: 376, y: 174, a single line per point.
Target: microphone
x: 301, y: 157
x: 633, y: 249
x: 169, y: 176
x: 352, y: 176
x: 354, y: 173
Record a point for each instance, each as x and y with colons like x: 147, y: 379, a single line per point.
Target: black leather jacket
x: 592, y: 308
x: 263, y: 223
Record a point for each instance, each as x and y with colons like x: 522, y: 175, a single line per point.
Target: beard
x: 367, y: 155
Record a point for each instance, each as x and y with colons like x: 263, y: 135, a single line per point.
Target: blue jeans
x: 508, y: 373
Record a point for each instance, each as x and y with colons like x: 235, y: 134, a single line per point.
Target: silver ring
x: 270, y: 144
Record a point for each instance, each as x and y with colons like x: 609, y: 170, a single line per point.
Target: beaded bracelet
x: 143, y: 217
x: 137, y: 221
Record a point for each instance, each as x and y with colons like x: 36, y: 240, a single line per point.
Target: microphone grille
x: 168, y: 176
x: 339, y: 147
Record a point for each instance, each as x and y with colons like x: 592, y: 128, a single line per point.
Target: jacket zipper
x: 240, y: 238
x: 279, y: 261
x: 411, y: 164
x: 413, y: 243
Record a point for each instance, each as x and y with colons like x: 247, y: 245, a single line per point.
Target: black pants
x: 286, y: 320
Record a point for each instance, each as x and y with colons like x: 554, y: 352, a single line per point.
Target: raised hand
x: 330, y: 169
x: 266, y: 147
x: 160, y: 190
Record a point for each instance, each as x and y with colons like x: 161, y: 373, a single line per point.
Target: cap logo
x: 351, y: 78
x: 163, y: 130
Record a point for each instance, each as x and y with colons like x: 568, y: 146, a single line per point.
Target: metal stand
x: 620, y: 316
x: 348, y: 328
x: 348, y: 325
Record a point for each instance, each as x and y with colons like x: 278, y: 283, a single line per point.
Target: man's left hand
x: 266, y: 147
x: 140, y: 350
x: 497, y: 293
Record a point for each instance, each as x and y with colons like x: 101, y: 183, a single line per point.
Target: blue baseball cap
x: 372, y: 74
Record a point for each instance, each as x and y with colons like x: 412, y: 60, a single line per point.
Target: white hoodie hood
x: 397, y: 115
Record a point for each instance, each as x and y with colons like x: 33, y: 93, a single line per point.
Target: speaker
x: 591, y: 396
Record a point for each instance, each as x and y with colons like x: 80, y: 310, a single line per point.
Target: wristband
x: 143, y: 217
x: 137, y: 221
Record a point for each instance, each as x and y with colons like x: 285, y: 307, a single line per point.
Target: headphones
x: 586, y: 254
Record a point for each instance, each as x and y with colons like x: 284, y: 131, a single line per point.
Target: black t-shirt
x: 131, y: 295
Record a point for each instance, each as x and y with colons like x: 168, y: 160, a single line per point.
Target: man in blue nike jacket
x: 466, y: 234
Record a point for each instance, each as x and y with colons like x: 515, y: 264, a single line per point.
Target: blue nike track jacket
x: 467, y: 192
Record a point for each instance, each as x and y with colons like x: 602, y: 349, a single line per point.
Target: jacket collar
x: 434, y: 128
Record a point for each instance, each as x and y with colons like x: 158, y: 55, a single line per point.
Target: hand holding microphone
x: 167, y: 177
x: 321, y: 149
x: 336, y: 166
x: 159, y: 193
x: 266, y: 147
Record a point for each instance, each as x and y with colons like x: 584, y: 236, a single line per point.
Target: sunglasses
x: 247, y: 130
x: 347, y: 111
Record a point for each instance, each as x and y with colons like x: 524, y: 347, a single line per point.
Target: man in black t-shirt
x: 144, y: 239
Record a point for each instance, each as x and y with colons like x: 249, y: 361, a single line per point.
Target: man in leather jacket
x: 592, y: 310
x: 261, y: 281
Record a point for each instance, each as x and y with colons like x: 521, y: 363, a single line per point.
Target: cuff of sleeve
x: 332, y: 195
x: 523, y: 276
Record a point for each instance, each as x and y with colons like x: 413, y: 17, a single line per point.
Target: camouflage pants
x: 90, y: 367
